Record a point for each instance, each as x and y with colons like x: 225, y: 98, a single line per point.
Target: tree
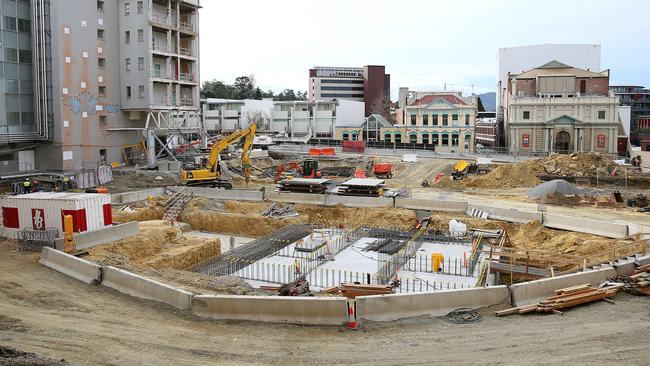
x: 244, y: 88
x: 217, y: 89
x: 258, y: 93
x: 479, y: 105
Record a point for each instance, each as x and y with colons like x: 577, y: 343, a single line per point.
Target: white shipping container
x: 42, y: 210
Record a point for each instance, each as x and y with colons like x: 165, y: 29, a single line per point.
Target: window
x: 13, y: 118
x: 526, y: 114
x: 11, y: 55
x: 346, y: 137
x: 398, y: 137
x: 583, y: 86
x: 467, y: 120
x: 24, y: 25
x: 141, y: 91
x: 445, y: 118
x: 101, y: 91
x: 413, y: 138
x: 100, y: 5
x: 103, y: 121
x: 387, y: 137
x: 127, y: 8
x: 11, y: 86
x: 454, y: 140
x: 140, y: 35
x: 25, y: 56
x: 100, y: 33
x: 434, y: 139
x: 435, y: 120
x: 425, y: 120
x: 127, y: 36
x: 454, y: 119
x: 127, y: 64
x: 101, y: 62
x: 445, y: 139
x: 140, y: 7
x: 413, y: 119
x: 140, y: 63
x: 10, y: 23
x: 128, y: 92
x: 425, y: 139
x: 601, y: 114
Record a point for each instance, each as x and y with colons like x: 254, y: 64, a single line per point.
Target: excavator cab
x: 310, y: 169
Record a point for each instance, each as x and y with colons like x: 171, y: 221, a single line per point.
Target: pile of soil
x: 578, y: 165
x: 14, y: 357
x: 133, y: 181
x: 151, y: 209
x: 159, y: 245
x: 506, y: 176
x: 201, y: 284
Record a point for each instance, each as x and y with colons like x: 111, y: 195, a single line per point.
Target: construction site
x: 336, y: 239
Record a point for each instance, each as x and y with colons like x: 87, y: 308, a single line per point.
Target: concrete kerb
x: 351, y: 201
x: 400, y: 306
x: 307, y: 198
x: 89, y: 239
x: 135, y: 196
x: 532, y: 292
x: 297, y: 310
x: 589, y: 226
x: 77, y: 268
x: 431, y: 205
x: 506, y: 214
x: 144, y: 288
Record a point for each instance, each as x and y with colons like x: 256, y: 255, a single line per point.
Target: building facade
x: 439, y: 121
x: 559, y: 108
x: 106, y: 74
x: 638, y: 99
x: 486, y: 132
x: 369, y: 84
x: 290, y: 120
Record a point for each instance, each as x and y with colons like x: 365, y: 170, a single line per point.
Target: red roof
x: 430, y: 98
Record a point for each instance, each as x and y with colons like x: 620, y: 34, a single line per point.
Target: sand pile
x: 132, y: 181
x: 578, y: 165
x: 158, y: 245
x: 141, y: 211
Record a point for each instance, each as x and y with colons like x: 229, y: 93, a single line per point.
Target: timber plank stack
x: 639, y: 282
x: 565, y: 298
x: 352, y: 290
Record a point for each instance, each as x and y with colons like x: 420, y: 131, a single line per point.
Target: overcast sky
x: 424, y: 44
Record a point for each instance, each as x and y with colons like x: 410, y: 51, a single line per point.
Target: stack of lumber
x: 639, y: 282
x: 565, y: 298
x: 352, y: 290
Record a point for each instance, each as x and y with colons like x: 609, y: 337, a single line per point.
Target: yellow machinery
x: 437, y: 260
x: 68, y: 237
x: 210, y: 174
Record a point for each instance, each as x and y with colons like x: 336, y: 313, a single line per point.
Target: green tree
x: 479, y: 105
x: 244, y: 87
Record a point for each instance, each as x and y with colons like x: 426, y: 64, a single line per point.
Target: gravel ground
x: 48, y: 313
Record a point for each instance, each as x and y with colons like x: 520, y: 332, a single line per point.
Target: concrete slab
x: 431, y: 205
x: 224, y: 238
x: 89, y: 239
x: 350, y: 201
x: 314, y: 199
x: 145, y: 288
x: 506, y: 214
x: 583, y: 225
x: 77, y: 268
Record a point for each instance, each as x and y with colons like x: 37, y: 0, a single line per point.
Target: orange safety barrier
x: 314, y: 152
x: 327, y: 151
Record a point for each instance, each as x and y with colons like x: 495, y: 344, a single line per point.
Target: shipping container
x: 45, y: 210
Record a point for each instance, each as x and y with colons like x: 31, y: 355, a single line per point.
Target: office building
x: 638, y: 99
x: 369, y: 84
x: 559, y: 108
x: 103, y: 74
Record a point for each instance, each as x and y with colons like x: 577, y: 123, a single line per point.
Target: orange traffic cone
x: 352, y: 317
x: 464, y: 259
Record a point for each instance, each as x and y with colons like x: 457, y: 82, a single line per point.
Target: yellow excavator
x: 210, y: 174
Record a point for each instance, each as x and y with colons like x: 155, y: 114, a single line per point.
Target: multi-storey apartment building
x: 556, y: 107
x: 369, y: 84
x: 106, y: 73
x: 638, y: 98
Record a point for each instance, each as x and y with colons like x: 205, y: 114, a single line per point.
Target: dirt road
x: 46, y: 312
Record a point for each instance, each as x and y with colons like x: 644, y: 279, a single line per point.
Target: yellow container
x: 436, y: 261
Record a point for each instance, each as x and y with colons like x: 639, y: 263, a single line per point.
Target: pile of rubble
x: 578, y: 165
x: 279, y: 211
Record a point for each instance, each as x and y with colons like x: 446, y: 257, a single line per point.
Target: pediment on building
x: 564, y: 120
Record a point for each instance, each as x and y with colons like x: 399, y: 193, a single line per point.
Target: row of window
x: 335, y: 95
x: 348, y: 88
x: 601, y: 115
x: 127, y: 7
x: 129, y: 93
x: 127, y: 36
x: 445, y: 119
x: 13, y: 86
x: 15, y: 118
x: 127, y: 63
x: 435, y: 139
x: 17, y: 24
x: 17, y: 55
x: 335, y: 81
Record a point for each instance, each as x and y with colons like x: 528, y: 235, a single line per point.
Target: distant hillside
x: 489, y: 101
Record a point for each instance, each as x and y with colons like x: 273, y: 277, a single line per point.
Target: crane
x: 210, y: 174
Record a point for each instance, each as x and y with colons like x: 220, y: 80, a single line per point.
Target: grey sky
x: 424, y: 44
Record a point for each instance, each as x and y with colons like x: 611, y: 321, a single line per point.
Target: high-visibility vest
x: 27, y: 183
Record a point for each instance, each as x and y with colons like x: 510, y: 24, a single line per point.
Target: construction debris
x: 565, y: 298
x: 637, y: 283
x: 352, y: 290
x: 279, y: 211
x: 295, y: 288
x: 556, y: 185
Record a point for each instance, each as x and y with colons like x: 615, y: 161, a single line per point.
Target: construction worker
x: 27, y: 186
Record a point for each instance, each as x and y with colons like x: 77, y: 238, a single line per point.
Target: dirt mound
x: 506, y: 176
x: 578, y: 165
x: 151, y: 209
x: 132, y: 181
x: 158, y: 245
x: 14, y: 357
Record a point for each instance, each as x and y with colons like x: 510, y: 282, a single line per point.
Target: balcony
x: 161, y: 47
x: 161, y: 100
x: 186, y: 26
x: 187, y: 51
x: 186, y: 102
x: 161, y: 19
x: 187, y: 77
x: 160, y: 74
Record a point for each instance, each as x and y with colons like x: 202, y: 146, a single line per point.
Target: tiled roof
x: 430, y: 98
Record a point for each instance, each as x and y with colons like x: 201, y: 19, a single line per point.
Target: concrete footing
x: 89, y: 239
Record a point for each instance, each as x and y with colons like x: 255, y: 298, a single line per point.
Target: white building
x: 295, y: 120
x: 516, y: 60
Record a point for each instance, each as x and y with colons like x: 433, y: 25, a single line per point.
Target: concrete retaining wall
x: 228, y: 194
x: 89, y: 239
x: 72, y: 266
x: 589, y: 226
x: 144, y: 288
x: 350, y: 201
x: 128, y: 197
x: 506, y: 214
x: 633, y: 229
x: 534, y: 291
x: 300, y: 310
x: 313, y: 199
x: 399, y: 306
x: 431, y: 205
